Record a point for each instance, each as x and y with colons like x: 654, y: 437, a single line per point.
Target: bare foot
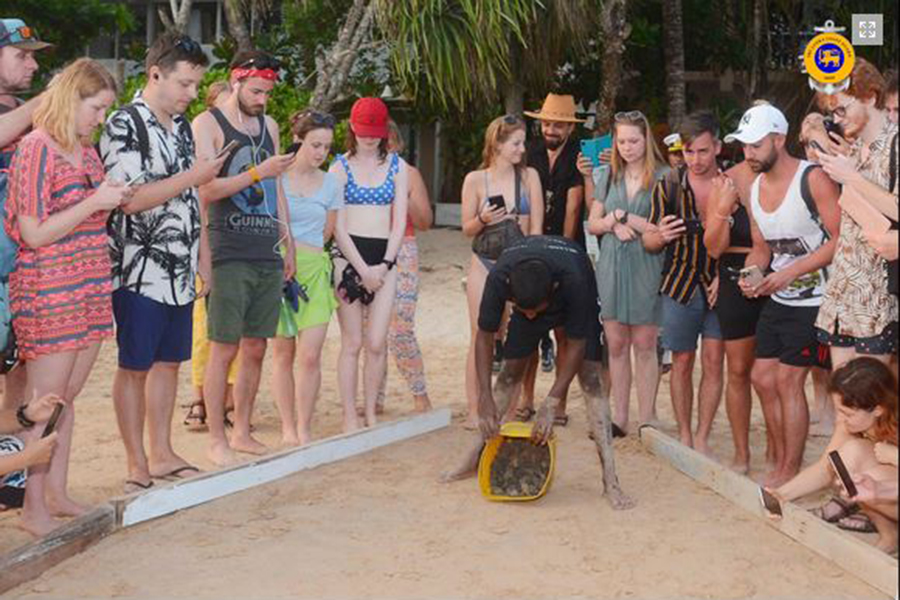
x: 289, y: 441
x: 422, y: 404
x: 65, y: 507
x: 741, y: 467
x: 221, y: 455
x: 371, y: 419
x: 776, y: 479
x: 351, y: 424
x: 887, y: 543
x: 687, y: 440
x: 248, y: 445
x: 162, y: 468
x: 618, y: 499
x: 38, y: 527
x: 470, y: 424
x: 468, y: 468
x: 304, y: 436
x: 703, y: 448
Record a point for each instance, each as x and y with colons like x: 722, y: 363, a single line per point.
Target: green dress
x: 628, y: 276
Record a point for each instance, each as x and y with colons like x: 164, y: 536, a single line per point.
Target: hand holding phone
x: 770, y: 503
x: 843, y: 474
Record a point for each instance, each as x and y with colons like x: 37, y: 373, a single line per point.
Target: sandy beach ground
x: 381, y: 526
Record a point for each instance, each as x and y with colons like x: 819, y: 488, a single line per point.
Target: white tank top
x: 792, y: 234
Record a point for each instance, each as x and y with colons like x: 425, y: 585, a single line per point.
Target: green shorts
x: 244, y: 301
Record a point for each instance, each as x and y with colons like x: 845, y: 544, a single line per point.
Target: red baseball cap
x: 369, y: 118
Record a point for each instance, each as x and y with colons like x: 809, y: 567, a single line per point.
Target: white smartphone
x: 752, y: 275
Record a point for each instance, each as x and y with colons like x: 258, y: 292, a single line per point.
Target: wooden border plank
x: 30, y: 561
x: 168, y: 499
x: 855, y: 556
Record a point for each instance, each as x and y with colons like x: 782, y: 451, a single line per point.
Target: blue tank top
x: 383, y: 195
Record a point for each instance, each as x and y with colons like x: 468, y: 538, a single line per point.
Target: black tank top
x: 244, y: 226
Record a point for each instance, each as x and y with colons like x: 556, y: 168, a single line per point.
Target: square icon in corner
x: 868, y: 29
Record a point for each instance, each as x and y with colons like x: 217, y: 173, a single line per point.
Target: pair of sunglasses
x: 261, y: 62
x: 629, y: 116
x: 319, y: 119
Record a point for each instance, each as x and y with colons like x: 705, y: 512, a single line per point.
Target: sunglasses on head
x: 629, y: 116
x: 319, y: 119
x: 512, y: 120
x: 260, y: 62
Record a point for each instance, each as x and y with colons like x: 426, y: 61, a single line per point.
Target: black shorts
x: 738, y: 315
x: 788, y: 333
x: 523, y: 336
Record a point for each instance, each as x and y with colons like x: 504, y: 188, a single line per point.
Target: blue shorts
x: 683, y: 324
x: 148, y: 331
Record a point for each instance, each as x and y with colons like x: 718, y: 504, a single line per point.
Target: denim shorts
x: 684, y: 324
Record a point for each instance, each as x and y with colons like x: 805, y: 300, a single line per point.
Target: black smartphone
x: 841, y: 469
x: 497, y: 202
x: 770, y: 502
x: 51, y: 424
x: 832, y: 127
x: 293, y: 149
x: 693, y: 226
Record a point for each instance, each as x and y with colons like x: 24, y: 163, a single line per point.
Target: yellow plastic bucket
x: 512, y: 431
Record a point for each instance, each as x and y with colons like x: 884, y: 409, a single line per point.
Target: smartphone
x: 51, y: 424
x: 841, y: 469
x: 135, y: 179
x: 832, y: 127
x: 497, y: 202
x: 752, y: 275
x: 226, y: 149
x: 770, y: 503
x: 818, y: 147
x: 293, y: 149
x: 693, y: 226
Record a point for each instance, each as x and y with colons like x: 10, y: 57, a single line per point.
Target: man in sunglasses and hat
x: 18, y: 44
x: 555, y: 157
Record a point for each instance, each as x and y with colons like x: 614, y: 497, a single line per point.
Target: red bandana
x: 268, y: 74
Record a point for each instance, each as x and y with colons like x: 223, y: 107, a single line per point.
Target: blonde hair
x: 498, y: 132
x: 653, y: 158
x: 216, y: 89
x: 84, y: 78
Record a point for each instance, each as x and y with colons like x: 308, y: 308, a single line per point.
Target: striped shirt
x: 687, y: 262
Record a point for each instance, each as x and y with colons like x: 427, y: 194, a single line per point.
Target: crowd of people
x: 202, y: 241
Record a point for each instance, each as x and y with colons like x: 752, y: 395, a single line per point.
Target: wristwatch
x: 624, y: 218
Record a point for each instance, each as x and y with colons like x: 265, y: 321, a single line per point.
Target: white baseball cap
x: 757, y: 123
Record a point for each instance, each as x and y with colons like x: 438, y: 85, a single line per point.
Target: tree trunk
x: 759, y: 50
x: 234, y: 14
x: 673, y: 31
x: 181, y: 16
x: 514, y: 90
x: 615, y: 30
x: 333, y: 67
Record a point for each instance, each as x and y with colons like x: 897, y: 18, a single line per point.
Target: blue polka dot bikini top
x: 383, y: 195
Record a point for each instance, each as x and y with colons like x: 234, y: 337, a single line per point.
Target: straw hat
x: 556, y: 108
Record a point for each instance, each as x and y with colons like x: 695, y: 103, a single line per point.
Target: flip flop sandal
x: 859, y: 523
x: 178, y: 474
x: 195, y: 420
x: 834, y: 510
x: 561, y: 420
x: 229, y: 420
x: 525, y: 414
x: 133, y: 486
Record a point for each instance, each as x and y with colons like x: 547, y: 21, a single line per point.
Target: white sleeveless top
x: 792, y: 234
